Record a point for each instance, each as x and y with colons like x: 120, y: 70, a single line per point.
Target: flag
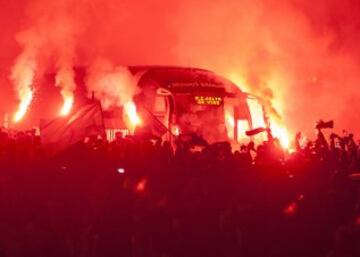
x: 61, y: 133
x: 151, y: 124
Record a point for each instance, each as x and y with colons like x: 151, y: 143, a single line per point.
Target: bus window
x: 237, y: 119
x: 243, y: 126
x: 202, y: 115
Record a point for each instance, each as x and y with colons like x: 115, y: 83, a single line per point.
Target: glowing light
x: 277, y: 130
x: 68, y: 102
x: 65, y: 80
x: 229, y: 119
x: 239, y: 80
x: 22, y: 76
x: 140, y: 186
x: 131, y: 114
x: 281, y: 133
x: 257, y: 115
x: 121, y: 170
x: 26, y: 96
x: 175, y: 130
x: 291, y: 209
x: 243, y: 126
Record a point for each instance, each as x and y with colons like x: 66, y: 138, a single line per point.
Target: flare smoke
x: 47, y: 41
x: 23, y: 73
x: 300, y: 56
x: 65, y: 80
x: 112, y: 85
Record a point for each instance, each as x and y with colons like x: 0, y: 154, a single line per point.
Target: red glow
x: 68, y: 103
x: 132, y: 116
x: 175, y: 130
x: 291, y: 209
x: 281, y: 133
x: 141, y: 185
x: 121, y: 170
x: 271, y: 63
x: 26, y: 96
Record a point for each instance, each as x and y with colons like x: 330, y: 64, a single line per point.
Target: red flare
x: 68, y: 102
x: 26, y: 95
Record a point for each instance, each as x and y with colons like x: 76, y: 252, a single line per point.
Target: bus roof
x: 183, y: 79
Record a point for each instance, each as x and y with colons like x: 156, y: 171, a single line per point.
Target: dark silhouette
x: 144, y: 197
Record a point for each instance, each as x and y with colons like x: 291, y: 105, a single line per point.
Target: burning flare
x: 22, y: 77
x: 26, y: 96
x: 68, y: 102
x: 65, y: 80
x: 132, y: 116
x: 257, y: 108
x: 281, y: 133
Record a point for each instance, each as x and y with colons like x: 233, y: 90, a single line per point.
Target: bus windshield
x: 202, y: 115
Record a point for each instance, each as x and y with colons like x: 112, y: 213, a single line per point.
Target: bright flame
x: 243, y: 126
x: 281, y: 133
x: 277, y: 130
x: 240, y: 81
x: 22, y: 76
x: 132, y: 116
x: 257, y: 114
x: 26, y: 96
x: 121, y: 170
x: 65, y: 80
x: 257, y: 117
x: 68, y: 102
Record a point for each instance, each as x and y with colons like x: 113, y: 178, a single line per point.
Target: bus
x: 176, y: 101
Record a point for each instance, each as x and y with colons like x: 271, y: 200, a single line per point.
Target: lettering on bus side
x: 208, y: 100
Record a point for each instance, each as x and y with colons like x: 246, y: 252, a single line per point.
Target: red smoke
x: 301, y: 56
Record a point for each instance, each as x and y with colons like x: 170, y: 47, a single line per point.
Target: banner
x: 61, y: 133
x: 151, y: 125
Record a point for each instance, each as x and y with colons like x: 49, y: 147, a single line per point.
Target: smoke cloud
x: 23, y: 72
x: 281, y: 51
x: 49, y: 39
x: 112, y: 85
x: 300, y: 56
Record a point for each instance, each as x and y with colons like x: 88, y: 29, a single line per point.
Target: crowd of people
x: 145, y: 197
